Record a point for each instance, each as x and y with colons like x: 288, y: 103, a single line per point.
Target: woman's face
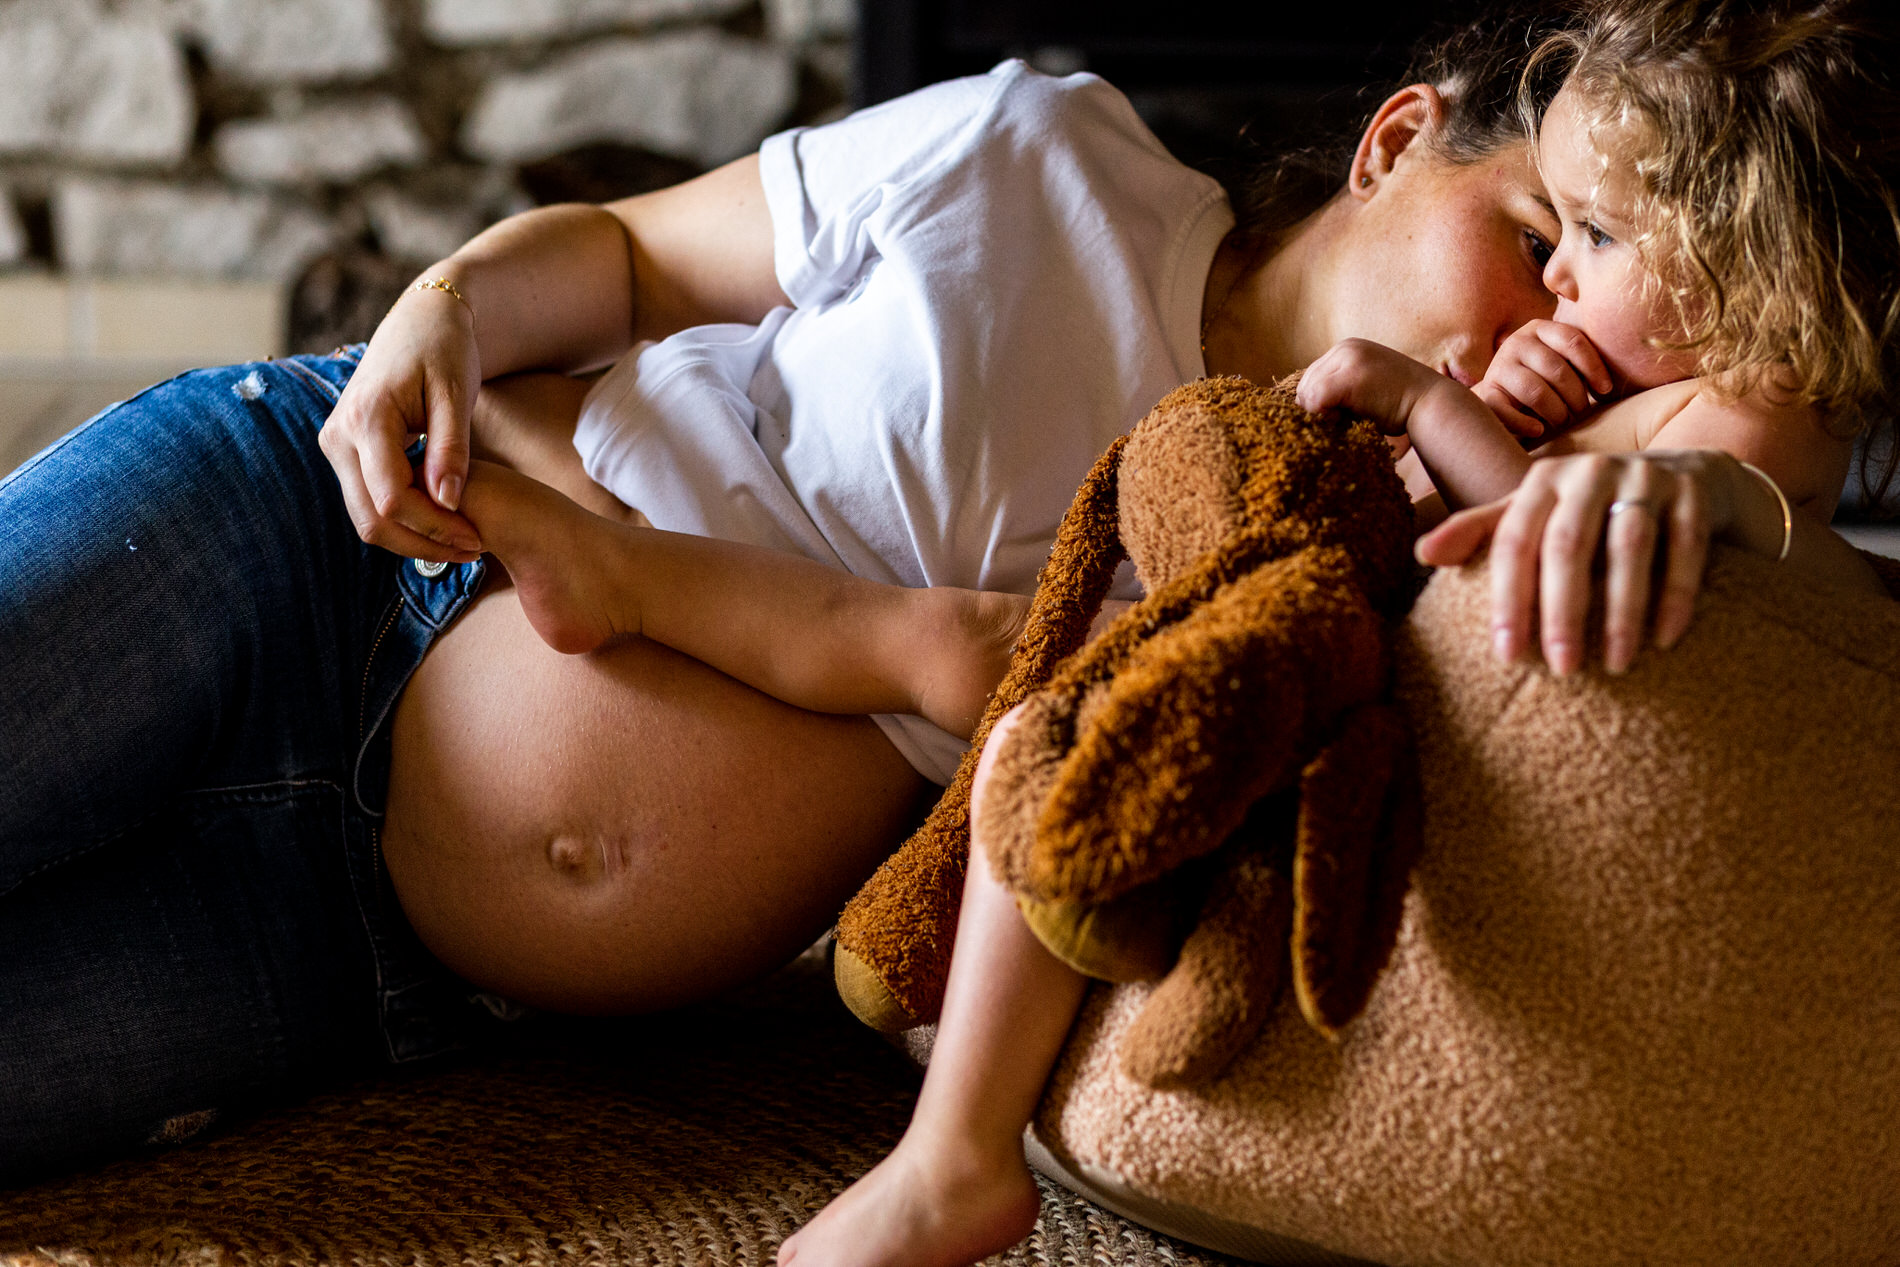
x: 1443, y: 260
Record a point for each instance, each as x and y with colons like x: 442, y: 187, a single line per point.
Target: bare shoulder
x: 1626, y: 424
x: 1793, y: 442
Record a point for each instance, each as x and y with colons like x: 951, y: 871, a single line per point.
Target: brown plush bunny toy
x: 1217, y: 776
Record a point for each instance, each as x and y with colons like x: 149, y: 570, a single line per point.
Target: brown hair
x: 1763, y: 136
x: 1478, y: 68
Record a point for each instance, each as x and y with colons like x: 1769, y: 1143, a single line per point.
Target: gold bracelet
x: 1787, y: 512
x: 447, y: 287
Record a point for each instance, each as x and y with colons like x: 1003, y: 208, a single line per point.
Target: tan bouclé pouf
x: 1646, y: 1003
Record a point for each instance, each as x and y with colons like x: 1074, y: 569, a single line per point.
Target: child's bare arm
x: 1792, y: 443
x: 1469, y: 454
x: 810, y: 635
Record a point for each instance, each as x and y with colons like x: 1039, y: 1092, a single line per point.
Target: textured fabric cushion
x: 1646, y: 1002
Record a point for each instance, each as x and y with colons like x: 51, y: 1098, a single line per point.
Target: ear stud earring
x: 1364, y: 181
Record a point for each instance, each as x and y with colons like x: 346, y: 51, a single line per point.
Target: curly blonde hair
x: 1763, y: 136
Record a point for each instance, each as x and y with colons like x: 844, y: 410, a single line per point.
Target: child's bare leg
x: 956, y: 1189
x: 810, y: 635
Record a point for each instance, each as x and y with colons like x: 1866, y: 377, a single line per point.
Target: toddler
x: 1727, y: 276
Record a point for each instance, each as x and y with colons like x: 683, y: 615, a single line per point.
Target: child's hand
x: 1542, y: 377
x: 1372, y: 380
x: 1469, y: 455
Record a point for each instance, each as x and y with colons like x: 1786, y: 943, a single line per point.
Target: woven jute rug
x: 705, y: 1137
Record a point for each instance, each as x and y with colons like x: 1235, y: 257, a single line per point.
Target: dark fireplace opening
x: 1198, y: 71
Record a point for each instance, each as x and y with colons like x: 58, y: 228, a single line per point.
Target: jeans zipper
x: 369, y: 662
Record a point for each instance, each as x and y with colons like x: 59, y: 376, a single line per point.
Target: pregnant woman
x: 269, y: 713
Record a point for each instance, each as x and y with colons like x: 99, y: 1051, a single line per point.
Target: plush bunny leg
x: 1134, y: 937
x: 1361, y: 827
x: 1231, y: 967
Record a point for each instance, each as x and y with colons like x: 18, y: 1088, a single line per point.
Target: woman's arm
x: 559, y: 288
x: 1544, y: 540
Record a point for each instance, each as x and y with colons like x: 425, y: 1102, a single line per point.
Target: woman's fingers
x: 1544, y: 544
x: 402, y: 507
x: 419, y: 374
x: 1571, y: 536
x: 1515, y: 553
x: 1643, y: 500
x: 380, y: 490
x: 1690, y: 528
x: 446, y: 450
x: 1458, y: 540
x: 383, y: 523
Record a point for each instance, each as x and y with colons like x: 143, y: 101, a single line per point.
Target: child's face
x: 1600, y: 283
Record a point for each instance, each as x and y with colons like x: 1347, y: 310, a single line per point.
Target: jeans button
x: 431, y: 569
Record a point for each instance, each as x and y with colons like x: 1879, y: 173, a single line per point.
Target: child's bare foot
x: 555, y: 553
x: 918, y: 1208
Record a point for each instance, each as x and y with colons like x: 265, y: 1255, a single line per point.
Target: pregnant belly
x: 624, y: 830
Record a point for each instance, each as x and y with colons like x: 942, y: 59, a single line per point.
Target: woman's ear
x: 1405, y: 116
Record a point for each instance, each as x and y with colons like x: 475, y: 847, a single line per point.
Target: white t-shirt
x: 992, y: 278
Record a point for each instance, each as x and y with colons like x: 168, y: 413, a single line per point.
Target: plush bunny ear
x: 1069, y: 590
x: 1361, y: 829
x: 1180, y: 487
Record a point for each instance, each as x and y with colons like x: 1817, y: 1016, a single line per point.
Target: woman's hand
x: 1545, y: 537
x: 420, y: 373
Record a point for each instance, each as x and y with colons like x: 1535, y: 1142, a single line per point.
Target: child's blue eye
x: 1594, y: 231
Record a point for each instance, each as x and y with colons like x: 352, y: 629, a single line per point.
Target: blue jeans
x: 198, y: 662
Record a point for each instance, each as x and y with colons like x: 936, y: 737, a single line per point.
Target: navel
x: 576, y: 858
x: 587, y: 858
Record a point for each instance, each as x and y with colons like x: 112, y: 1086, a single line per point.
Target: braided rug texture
x: 702, y: 1138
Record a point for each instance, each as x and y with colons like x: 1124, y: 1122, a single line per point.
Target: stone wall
x: 333, y: 147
